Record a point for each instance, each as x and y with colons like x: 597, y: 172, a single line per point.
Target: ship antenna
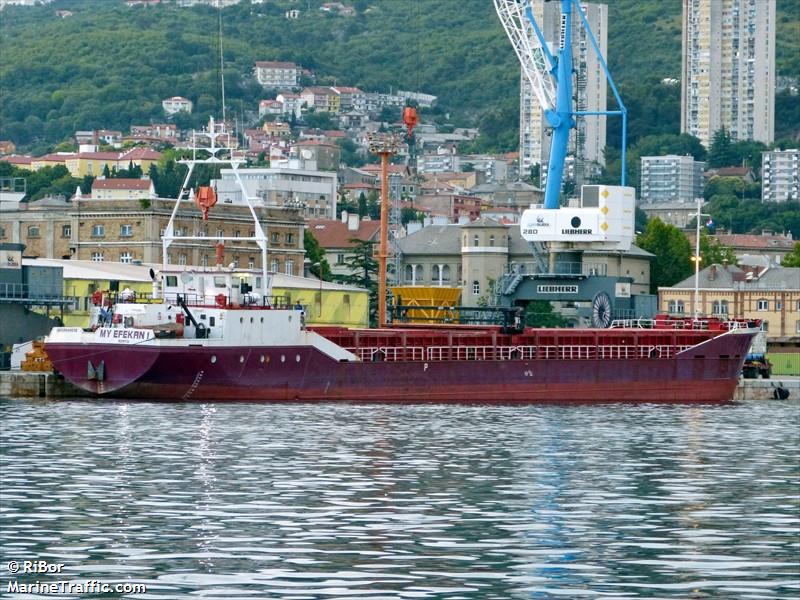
x: 221, y: 59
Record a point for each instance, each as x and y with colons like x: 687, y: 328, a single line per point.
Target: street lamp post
x: 696, y: 259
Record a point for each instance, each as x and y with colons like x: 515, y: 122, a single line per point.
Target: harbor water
x: 305, y: 501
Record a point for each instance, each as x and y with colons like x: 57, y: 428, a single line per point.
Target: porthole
x: 251, y: 319
x: 241, y: 359
x: 262, y: 319
x: 297, y: 358
x: 213, y: 358
x: 262, y: 359
x: 283, y: 358
x: 241, y: 319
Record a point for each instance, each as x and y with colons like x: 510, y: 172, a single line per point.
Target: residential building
x: 771, y: 295
x: 19, y: 161
x: 321, y: 99
x: 160, y: 131
x: 325, y: 155
x: 123, y: 189
x: 277, y: 128
x: 351, y: 99
x: 728, y: 69
x: 292, y: 103
x: 588, y: 139
x: 127, y: 231
x: 338, y: 238
x: 671, y: 178
x: 771, y: 246
x: 516, y: 195
x: 276, y: 74
x: 310, y: 191
x: 679, y: 214
x: 780, y: 176
x: 176, y: 104
x: 472, y: 256
x: 269, y: 108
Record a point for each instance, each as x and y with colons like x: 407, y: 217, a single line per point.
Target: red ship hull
x: 706, y: 372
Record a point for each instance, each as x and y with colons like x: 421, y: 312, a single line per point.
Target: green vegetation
x: 793, y: 258
x: 316, y: 255
x: 540, y: 313
x: 116, y: 63
x: 672, y: 262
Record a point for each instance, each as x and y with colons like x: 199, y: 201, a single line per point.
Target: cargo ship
x: 209, y: 337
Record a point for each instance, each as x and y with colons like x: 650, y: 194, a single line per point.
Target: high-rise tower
x: 588, y: 139
x: 728, y: 69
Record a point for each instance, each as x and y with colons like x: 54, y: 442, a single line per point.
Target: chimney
x: 352, y: 222
x: 712, y: 273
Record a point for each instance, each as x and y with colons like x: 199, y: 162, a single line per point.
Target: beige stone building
x: 771, y: 295
x: 130, y: 231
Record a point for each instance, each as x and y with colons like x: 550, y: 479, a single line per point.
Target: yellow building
x: 772, y: 296
x: 325, y: 303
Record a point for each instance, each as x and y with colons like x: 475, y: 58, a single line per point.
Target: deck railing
x: 513, y: 353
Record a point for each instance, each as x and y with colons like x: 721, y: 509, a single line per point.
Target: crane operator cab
x: 604, y: 219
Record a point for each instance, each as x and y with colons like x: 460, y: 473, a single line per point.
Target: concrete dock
x: 23, y: 384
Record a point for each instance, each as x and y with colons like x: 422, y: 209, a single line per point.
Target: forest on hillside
x: 109, y: 65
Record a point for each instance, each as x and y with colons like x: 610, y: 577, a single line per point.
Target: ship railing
x: 387, y: 354
x: 632, y: 324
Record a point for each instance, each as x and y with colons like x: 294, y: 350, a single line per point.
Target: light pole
x: 696, y: 259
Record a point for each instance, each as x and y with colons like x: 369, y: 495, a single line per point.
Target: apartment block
x: 728, y: 69
x: 277, y: 74
x: 780, y: 176
x: 671, y: 178
x: 588, y: 139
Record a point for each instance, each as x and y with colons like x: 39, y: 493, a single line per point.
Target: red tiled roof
x: 334, y: 234
x: 121, y: 184
x: 756, y: 242
x: 360, y: 186
x: 56, y: 157
x: 16, y: 159
x: 334, y: 133
x: 140, y: 154
x: 99, y: 155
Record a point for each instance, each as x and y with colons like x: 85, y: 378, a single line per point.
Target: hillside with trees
x: 109, y: 65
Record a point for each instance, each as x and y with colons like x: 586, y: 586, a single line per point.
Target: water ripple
x: 406, y: 502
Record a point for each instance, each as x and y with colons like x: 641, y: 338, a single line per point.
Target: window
x: 762, y: 304
x: 778, y: 305
x: 171, y: 281
x: 236, y: 262
x: 476, y: 288
x: 66, y: 231
x: 125, y: 230
x: 2, y: 232
x: 33, y: 231
x: 125, y: 257
x: 675, y: 307
x: 764, y: 325
x: 237, y: 233
x: 220, y: 233
x: 476, y: 240
x: 98, y: 230
x: 446, y: 273
x: 273, y: 237
x: 251, y: 263
x: 181, y: 259
x: 290, y: 238
x: 289, y: 267
x: 340, y: 259
x: 719, y: 307
x: 204, y: 260
x: 409, y: 275
x: 491, y: 240
x: 273, y: 266
x: 797, y: 328
x: 97, y: 257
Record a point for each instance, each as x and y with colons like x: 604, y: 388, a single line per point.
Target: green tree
x: 792, y: 259
x: 374, y: 205
x: 362, y: 271
x: 362, y: 205
x: 316, y: 254
x: 540, y: 313
x: 673, y: 252
x: 721, y: 153
x: 106, y: 171
x: 712, y: 251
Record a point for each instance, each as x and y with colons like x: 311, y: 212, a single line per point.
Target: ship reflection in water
x: 359, y: 501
